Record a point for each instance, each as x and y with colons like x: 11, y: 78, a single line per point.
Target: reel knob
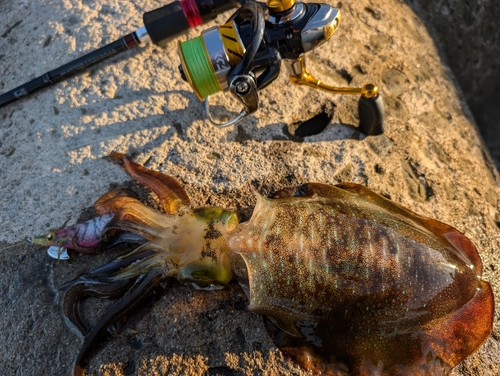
x: 371, y: 112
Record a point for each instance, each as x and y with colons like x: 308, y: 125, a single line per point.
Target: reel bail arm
x: 244, y: 89
x: 218, y: 60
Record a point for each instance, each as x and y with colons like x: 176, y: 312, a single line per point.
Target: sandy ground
x: 52, y: 170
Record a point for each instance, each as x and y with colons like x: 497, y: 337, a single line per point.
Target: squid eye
x: 50, y: 237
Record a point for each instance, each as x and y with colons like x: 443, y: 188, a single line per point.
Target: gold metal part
x: 232, y: 43
x: 276, y: 6
x: 329, y: 29
x: 369, y: 91
x: 305, y: 78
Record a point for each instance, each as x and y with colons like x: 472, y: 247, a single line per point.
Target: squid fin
x: 170, y: 192
x: 113, y: 200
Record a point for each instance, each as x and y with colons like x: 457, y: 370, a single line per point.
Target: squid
x: 350, y: 283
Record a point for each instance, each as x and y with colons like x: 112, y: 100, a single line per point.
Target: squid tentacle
x: 141, y: 289
x: 151, y: 257
x: 137, y: 212
x: 139, y: 261
x: 127, y: 237
x: 113, y: 268
x: 77, y: 290
x: 113, y: 200
x: 145, y: 231
x: 103, y: 282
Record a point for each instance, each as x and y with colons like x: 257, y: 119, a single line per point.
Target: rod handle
x: 174, y: 19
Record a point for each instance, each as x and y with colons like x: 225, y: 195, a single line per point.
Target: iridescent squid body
x: 349, y: 282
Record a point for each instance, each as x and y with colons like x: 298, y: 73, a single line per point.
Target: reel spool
x: 244, y: 55
x: 207, y: 60
x: 225, y: 58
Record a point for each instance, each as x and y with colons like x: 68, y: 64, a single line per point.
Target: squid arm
x: 139, y: 292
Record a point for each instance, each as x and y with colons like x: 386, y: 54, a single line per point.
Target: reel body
x: 245, y: 55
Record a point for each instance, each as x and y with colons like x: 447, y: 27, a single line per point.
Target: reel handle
x: 370, y: 105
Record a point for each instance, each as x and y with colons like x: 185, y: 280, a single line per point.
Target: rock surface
x: 52, y: 145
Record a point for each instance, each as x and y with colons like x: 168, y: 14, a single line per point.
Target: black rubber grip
x: 371, y: 115
x: 165, y: 23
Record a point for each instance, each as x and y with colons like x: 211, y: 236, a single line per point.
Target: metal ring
x: 217, y: 54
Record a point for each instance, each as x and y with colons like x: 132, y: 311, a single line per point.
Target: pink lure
x: 83, y: 237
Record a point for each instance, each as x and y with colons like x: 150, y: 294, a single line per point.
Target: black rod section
x: 67, y: 70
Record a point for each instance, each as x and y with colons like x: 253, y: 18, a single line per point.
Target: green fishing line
x: 199, y: 67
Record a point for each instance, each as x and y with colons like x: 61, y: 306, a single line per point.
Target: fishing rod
x: 241, y: 57
x: 161, y: 26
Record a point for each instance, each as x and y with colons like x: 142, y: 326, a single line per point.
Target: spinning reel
x: 245, y: 55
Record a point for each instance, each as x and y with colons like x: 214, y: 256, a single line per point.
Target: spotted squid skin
x: 355, y: 274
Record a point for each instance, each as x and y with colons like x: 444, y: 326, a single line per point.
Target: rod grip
x: 371, y: 115
x: 165, y: 23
